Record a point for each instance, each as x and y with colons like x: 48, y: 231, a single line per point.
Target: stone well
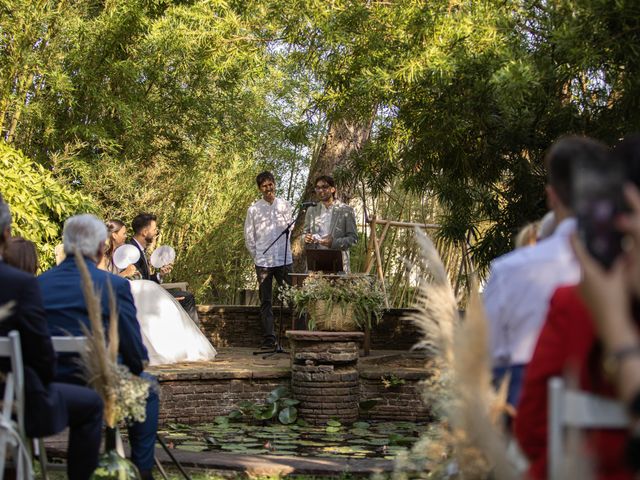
x: 324, y: 374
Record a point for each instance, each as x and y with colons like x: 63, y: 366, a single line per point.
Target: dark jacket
x: 142, y: 264
x: 46, y: 412
x: 66, y: 310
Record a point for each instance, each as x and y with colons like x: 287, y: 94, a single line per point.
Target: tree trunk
x: 344, y: 137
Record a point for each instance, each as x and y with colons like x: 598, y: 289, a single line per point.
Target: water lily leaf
x: 189, y: 447
x: 379, y: 441
x: 177, y: 426
x: 334, y: 423
x: 235, y: 415
x: 221, y: 420
x: 277, y: 394
x: 361, y: 425
x: 360, y: 432
x: 302, y: 423
x: 289, y: 402
x: 267, y: 412
x: 288, y: 415
x: 332, y: 429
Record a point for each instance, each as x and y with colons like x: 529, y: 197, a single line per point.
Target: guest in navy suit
x: 66, y: 311
x: 50, y: 406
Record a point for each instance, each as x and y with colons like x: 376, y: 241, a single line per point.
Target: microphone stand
x: 286, y: 232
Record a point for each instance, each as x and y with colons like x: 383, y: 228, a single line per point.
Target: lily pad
x: 190, y: 447
x: 361, y: 425
x: 333, y: 423
x: 288, y: 415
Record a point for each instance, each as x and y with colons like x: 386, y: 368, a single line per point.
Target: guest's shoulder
x: 567, y: 295
x: 509, y: 260
x: 15, y: 275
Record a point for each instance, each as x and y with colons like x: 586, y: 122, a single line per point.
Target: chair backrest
x: 69, y: 344
x: 10, y: 348
x: 12, y: 432
x: 576, y: 409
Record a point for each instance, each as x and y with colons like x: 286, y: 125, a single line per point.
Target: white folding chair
x: 576, y: 409
x: 12, y: 432
x: 60, y: 345
x: 77, y: 345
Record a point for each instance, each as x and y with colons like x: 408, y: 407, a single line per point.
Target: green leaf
x: 288, y: 415
x: 277, y: 394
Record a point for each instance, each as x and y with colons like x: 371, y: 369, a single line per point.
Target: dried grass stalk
x: 97, y: 359
x: 468, y: 434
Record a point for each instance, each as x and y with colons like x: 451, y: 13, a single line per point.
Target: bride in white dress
x: 168, y: 332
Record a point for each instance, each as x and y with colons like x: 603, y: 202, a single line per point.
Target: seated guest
x: 609, y: 297
x: 21, y: 253
x: 66, y: 310
x: 145, y: 231
x: 521, y: 282
x: 117, y: 236
x: 50, y: 406
x: 568, y: 342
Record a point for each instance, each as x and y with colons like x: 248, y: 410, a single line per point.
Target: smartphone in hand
x: 598, y: 199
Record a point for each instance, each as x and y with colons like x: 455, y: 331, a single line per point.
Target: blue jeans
x: 142, y: 435
x: 515, y: 384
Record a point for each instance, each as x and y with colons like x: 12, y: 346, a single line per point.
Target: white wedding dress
x: 167, y: 331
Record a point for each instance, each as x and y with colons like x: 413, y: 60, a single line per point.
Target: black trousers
x: 84, y: 407
x: 188, y: 302
x: 265, y: 288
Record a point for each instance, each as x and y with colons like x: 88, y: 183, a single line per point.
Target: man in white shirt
x: 522, y: 282
x: 266, y: 219
x: 330, y: 223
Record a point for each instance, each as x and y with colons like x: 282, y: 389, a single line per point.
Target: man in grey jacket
x: 331, y: 223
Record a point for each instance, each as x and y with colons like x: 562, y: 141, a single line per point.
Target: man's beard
x: 149, y: 239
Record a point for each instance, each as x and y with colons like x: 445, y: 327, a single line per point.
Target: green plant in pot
x: 347, y: 303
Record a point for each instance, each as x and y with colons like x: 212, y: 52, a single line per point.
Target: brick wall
x: 239, y: 326
x: 200, y: 397
x: 397, y: 403
x: 200, y: 401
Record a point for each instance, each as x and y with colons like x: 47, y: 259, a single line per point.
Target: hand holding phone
x: 598, y: 199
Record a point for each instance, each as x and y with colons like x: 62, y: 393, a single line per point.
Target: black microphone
x: 308, y: 204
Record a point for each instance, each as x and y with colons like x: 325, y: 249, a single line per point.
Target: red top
x: 565, y: 343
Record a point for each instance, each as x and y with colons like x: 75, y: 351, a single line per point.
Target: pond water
x: 360, y: 440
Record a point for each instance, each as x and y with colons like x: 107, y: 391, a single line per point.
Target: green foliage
x: 173, y: 107
x: 39, y: 202
x: 278, y: 405
x: 391, y: 381
x: 361, y: 293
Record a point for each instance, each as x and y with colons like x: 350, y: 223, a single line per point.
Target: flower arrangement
x: 355, y: 296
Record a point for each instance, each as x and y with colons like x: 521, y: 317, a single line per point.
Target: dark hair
x: 21, y: 253
x: 564, y: 155
x: 326, y: 178
x: 142, y: 220
x: 113, y: 226
x: 264, y: 176
x: 627, y: 151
